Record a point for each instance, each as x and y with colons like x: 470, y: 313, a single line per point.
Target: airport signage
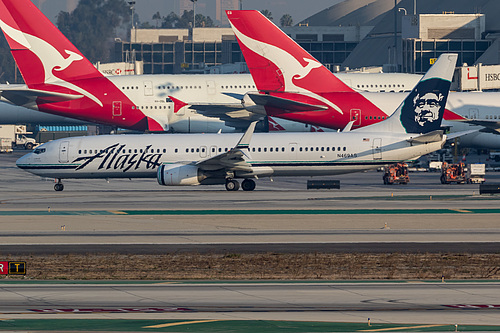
x: 4, y: 267
x: 12, y: 267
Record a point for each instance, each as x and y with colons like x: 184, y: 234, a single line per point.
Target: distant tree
x: 267, y: 14
x: 157, y: 17
x: 202, y: 21
x: 185, y: 19
x: 7, y: 64
x: 286, y: 20
x: 92, y: 26
x: 170, y: 21
x: 146, y: 25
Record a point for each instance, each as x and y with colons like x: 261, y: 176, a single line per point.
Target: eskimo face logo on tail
x: 52, y: 60
x: 424, y: 107
x: 290, y: 67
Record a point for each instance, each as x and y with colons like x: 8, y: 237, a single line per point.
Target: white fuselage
x: 271, y: 154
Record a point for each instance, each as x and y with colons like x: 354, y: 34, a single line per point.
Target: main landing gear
x: 246, y: 185
x: 59, y: 186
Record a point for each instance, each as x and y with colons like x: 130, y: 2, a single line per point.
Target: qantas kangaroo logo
x: 293, y: 69
x: 52, y: 60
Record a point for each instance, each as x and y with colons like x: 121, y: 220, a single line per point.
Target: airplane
x: 208, y: 159
x: 293, y: 85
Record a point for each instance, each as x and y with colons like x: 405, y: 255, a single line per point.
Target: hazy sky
x: 298, y: 9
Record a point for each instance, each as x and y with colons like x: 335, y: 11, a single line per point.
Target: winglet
x: 245, y: 139
x: 348, y: 127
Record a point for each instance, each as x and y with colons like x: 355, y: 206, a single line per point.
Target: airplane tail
x: 269, y: 46
x: 422, y: 110
x: 42, y: 53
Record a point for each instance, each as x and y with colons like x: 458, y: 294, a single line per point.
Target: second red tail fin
x: 276, y: 61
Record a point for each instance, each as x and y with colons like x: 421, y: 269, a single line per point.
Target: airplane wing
x: 233, y: 114
x: 490, y: 125
x: 24, y: 96
x: 237, y: 159
x: 283, y: 103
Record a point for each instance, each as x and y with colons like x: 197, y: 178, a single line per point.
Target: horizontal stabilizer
x: 284, y: 104
x: 493, y: 125
x: 452, y: 136
x: 27, y: 96
x: 434, y: 136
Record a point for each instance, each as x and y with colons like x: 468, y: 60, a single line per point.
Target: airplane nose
x: 24, y: 160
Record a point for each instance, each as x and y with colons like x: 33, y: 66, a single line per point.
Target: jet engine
x: 179, y: 174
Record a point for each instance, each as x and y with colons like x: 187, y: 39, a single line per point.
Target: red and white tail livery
x: 60, y: 79
x: 291, y: 83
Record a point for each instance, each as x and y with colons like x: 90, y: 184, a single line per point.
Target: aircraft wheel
x: 232, y: 185
x: 58, y: 187
x: 248, y: 185
x: 28, y: 146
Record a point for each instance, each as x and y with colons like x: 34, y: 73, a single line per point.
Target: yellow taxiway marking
x: 462, y: 210
x: 400, y: 328
x: 181, y: 323
x: 117, y: 212
x: 170, y: 282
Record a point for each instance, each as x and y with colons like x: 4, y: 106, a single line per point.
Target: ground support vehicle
x: 396, y: 174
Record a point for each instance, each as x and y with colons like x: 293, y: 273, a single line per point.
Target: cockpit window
x: 39, y: 151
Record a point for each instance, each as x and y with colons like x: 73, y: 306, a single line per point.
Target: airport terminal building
x: 352, y: 34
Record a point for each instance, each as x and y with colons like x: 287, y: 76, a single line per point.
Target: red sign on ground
x: 4, y: 268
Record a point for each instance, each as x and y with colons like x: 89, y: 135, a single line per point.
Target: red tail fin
x: 42, y: 53
x: 278, y: 63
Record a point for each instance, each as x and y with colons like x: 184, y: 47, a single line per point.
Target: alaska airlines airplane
x: 293, y: 85
x: 194, y: 159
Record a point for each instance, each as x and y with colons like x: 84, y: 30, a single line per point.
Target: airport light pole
x: 131, y: 4
x: 194, y: 12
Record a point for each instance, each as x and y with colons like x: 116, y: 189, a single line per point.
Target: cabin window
x: 327, y: 148
x: 265, y: 149
x: 197, y: 150
x: 253, y: 149
x: 283, y: 149
x: 322, y: 148
x: 292, y: 149
x: 259, y: 149
x: 226, y: 149
x: 300, y: 149
x: 306, y: 149
x: 345, y: 148
x: 176, y: 150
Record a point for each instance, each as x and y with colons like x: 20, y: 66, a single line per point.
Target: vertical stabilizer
x: 276, y: 61
x: 42, y: 53
x: 422, y: 110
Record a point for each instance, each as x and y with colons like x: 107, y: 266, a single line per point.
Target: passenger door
x: 63, y: 152
x: 377, y: 149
